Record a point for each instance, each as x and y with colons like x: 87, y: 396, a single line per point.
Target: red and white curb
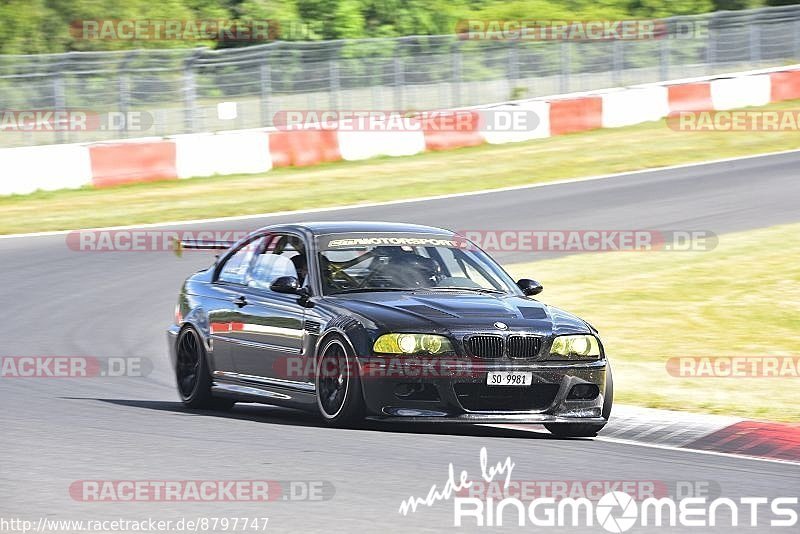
x: 698, y: 432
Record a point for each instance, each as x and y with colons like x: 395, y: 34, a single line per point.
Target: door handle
x: 240, y: 301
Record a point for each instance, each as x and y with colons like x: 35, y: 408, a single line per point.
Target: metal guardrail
x: 180, y: 89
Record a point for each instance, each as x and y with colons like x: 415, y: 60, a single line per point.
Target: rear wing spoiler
x: 197, y: 244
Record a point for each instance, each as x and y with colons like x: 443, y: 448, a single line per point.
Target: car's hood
x: 421, y: 310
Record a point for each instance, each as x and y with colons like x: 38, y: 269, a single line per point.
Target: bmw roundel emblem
x: 501, y: 326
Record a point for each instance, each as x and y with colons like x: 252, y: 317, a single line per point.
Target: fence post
x: 565, y: 67
x: 265, y: 75
x: 711, y: 46
x: 663, y: 48
x: 399, y: 78
x: 796, y: 39
x: 125, y: 90
x: 513, y: 68
x: 755, y: 40
x: 190, y: 91
x: 59, y: 100
x: 618, y: 52
x: 457, y: 76
x: 334, y: 85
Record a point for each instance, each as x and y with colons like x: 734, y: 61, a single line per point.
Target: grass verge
x: 647, y: 145
x: 741, y: 298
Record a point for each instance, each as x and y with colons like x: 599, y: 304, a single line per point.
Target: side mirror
x: 286, y: 284
x: 529, y: 287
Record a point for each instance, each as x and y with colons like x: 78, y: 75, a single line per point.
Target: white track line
x: 698, y: 451
x: 405, y: 201
x: 537, y: 430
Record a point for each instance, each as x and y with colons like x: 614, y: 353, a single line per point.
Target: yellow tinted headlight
x: 576, y: 347
x: 412, y: 344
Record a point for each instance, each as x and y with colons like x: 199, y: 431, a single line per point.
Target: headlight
x: 583, y: 347
x: 412, y: 344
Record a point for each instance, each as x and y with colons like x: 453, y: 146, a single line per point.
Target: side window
x: 285, y: 256
x: 235, y: 268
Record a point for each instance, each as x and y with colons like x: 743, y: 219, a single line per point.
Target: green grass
x: 643, y: 146
x: 741, y: 298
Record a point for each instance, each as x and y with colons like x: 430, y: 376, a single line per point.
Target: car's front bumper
x: 459, y: 394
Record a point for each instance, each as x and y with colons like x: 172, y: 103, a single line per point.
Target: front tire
x: 587, y: 430
x: 338, y: 385
x: 193, y: 376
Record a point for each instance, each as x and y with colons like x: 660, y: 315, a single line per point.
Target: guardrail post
x: 565, y: 67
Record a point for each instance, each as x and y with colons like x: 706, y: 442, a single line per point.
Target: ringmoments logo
x: 615, y: 511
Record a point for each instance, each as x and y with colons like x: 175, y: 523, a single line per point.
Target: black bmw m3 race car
x: 384, y: 321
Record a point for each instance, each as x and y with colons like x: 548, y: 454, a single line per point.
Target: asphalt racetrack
x: 58, y: 301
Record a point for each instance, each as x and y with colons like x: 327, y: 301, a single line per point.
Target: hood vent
x: 428, y: 312
x: 533, y: 313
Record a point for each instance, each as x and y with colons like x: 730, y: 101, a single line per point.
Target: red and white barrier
x: 572, y: 115
x: 784, y: 85
x: 740, y: 92
x: 468, y: 135
x: 301, y: 148
x: 634, y: 105
x: 690, y: 97
x: 358, y: 145
x: 540, y: 109
x: 239, y: 152
x: 139, y: 161
x: 46, y: 167
x: 51, y: 167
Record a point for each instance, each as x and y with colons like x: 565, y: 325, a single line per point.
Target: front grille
x: 523, y: 346
x: 485, y: 346
x: 478, y: 397
x: 493, y: 346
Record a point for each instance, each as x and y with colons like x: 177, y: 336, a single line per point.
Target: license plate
x: 508, y: 378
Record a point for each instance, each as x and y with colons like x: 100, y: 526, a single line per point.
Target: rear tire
x: 338, y: 385
x: 193, y: 376
x: 587, y: 430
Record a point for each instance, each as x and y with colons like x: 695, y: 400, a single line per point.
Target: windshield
x: 402, y: 263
